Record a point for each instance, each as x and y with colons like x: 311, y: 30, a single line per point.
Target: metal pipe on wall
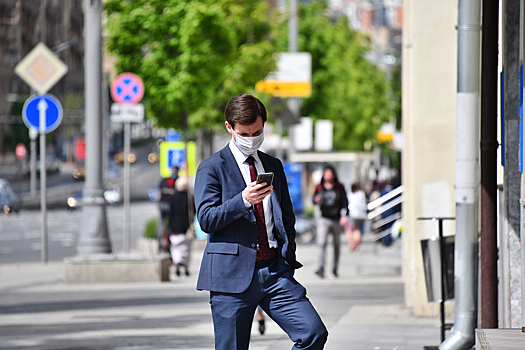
x: 489, y: 146
x: 467, y: 152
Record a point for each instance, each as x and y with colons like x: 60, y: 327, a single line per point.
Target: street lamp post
x: 294, y: 103
x: 94, y: 237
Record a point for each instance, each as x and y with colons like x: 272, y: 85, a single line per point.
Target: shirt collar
x: 240, y: 157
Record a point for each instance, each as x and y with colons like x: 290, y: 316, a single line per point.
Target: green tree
x: 192, y: 55
x: 346, y: 88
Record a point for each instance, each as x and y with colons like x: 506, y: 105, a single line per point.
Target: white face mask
x: 249, y: 145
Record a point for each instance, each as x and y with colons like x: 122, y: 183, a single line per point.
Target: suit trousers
x: 280, y: 296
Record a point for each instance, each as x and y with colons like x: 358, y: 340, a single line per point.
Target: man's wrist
x: 246, y: 203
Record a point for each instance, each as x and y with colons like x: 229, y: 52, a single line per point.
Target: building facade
x: 23, y: 24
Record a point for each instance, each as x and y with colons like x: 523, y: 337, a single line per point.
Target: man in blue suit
x: 249, y: 259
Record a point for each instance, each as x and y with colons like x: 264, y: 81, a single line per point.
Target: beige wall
x: 429, y: 119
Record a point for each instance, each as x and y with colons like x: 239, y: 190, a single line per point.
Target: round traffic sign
x: 127, y: 88
x: 20, y: 151
x: 47, y: 104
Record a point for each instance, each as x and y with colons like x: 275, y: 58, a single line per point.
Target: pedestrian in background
x: 165, y: 191
x: 357, y: 207
x: 330, y: 195
x: 180, y: 218
x: 372, y: 187
x: 260, y: 319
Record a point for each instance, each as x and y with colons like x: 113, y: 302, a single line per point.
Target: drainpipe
x: 467, y: 153
x: 488, y: 155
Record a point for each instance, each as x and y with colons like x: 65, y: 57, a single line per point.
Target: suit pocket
x: 222, y: 248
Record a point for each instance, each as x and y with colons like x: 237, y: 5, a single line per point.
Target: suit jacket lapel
x: 270, y: 166
x: 232, y: 168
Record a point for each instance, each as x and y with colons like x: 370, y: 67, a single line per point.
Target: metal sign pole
x: 39, y: 59
x: 42, y: 107
x: 126, y: 185
x: 127, y: 90
x: 33, y: 133
x: 442, y: 274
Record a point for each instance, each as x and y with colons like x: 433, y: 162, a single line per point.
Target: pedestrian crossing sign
x: 174, y: 154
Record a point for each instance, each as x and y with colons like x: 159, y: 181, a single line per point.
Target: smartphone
x: 265, y: 177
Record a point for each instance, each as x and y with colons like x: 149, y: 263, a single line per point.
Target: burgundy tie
x: 262, y: 236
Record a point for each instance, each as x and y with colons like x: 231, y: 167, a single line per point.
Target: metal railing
x: 381, y: 205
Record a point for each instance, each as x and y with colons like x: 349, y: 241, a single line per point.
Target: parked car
x: 112, y: 196
x: 9, y: 201
x: 53, y: 165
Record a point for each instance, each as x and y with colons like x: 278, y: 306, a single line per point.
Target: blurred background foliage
x: 193, y: 56
x: 346, y: 88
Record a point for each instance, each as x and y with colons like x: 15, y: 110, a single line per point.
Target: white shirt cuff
x: 246, y: 203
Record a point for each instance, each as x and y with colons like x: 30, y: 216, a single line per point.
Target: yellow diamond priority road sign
x: 41, y: 69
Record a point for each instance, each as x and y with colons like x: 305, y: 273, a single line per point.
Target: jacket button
x: 253, y: 245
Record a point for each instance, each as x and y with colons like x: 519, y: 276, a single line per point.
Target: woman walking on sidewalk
x: 330, y: 195
x: 358, y: 214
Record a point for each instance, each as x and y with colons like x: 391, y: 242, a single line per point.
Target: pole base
x: 94, y: 237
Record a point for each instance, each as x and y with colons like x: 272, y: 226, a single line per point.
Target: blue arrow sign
x: 47, y: 105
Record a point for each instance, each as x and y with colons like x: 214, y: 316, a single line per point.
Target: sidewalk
x: 363, y: 309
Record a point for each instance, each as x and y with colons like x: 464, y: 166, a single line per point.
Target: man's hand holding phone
x: 256, y: 191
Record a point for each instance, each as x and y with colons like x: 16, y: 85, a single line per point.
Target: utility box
x: 432, y: 266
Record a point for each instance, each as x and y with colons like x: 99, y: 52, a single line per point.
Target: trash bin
x: 431, y: 264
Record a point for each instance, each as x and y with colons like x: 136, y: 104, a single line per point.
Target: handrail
x: 374, y: 204
x: 386, y: 220
x: 380, y: 210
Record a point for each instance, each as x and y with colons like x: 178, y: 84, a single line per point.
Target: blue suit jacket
x: 228, y: 262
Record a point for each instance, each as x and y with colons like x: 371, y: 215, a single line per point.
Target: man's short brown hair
x: 244, y: 109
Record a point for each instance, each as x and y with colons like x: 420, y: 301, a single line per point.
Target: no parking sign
x: 127, y: 88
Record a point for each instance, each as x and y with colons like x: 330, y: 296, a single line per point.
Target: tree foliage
x: 193, y: 56
x: 346, y: 88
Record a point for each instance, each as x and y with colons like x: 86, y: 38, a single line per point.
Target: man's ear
x: 228, y: 127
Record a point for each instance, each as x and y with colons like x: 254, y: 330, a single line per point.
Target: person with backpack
x: 330, y: 195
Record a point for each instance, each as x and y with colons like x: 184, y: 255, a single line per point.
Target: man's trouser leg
x: 281, y: 297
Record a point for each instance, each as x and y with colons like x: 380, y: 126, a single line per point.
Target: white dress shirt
x: 245, y: 171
